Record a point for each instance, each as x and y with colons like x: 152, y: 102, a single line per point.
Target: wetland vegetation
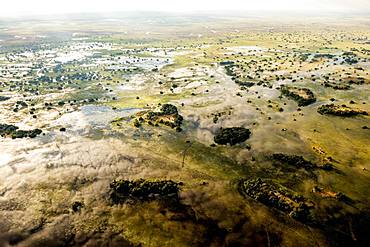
x: 184, y: 131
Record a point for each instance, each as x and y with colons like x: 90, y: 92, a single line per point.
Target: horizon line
x: 190, y: 12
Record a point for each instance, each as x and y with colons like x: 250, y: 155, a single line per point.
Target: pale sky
x: 31, y: 7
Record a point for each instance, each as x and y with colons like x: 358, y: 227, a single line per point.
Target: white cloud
x: 16, y: 7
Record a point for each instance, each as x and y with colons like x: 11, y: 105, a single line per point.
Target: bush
x: 232, y: 135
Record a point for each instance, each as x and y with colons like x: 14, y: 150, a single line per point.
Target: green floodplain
x: 185, y: 131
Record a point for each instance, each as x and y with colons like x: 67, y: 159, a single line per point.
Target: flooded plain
x: 262, y: 136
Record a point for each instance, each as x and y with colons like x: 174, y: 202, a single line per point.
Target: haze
x: 46, y: 7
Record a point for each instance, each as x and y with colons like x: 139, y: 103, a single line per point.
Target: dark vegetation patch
x: 340, y: 110
x: 331, y: 212
x: 77, y: 206
x: 19, y: 105
x: 337, y: 86
x: 4, y: 98
x: 230, y: 71
x: 143, y: 190
x: 355, y: 80
x: 12, y: 131
x: 349, y: 58
x: 303, y: 96
x: 168, y: 116
x: 245, y: 83
x: 293, y: 160
x: 298, y: 161
x: 323, y: 55
x: 232, y: 135
x: 278, y: 197
x: 218, y: 115
x: 345, y: 83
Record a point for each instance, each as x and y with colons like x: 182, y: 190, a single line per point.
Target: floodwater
x: 93, y: 116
